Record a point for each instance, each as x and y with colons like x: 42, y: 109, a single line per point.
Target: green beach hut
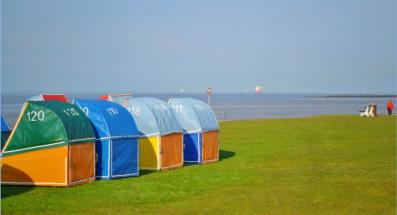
x: 52, y: 144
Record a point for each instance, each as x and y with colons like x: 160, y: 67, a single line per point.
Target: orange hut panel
x: 46, y: 167
x: 81, y: 163
x: 171, y: 151
x: 60, y: 166
x: 210, y: 146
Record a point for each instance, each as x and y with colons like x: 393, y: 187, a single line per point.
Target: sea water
x: 238, y: 106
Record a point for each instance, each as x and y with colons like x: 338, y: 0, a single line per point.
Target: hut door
x: 171, y: 151
x: 81, y: 162
x: 210, y: 147
x: 124, y: 157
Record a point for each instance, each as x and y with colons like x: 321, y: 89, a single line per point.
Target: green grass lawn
x: 317, y: 165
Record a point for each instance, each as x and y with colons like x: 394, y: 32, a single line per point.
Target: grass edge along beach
x: 339, y: 164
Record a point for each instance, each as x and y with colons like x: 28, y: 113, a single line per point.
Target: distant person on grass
x: 390, y: 107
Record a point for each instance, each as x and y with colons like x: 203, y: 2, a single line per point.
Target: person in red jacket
x: 390, y: 107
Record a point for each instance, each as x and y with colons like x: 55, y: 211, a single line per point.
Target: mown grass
x: 317, y: 165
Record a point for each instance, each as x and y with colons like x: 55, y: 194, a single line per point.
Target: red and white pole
x: 209, y: 94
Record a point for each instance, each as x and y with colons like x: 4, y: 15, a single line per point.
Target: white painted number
x: 85, y: 110
x: 70, y: 112
x: 34, y: 116
x: 136, y: 111
x: 41, y: 115
x: 112, y: 111
x: 177, y: 108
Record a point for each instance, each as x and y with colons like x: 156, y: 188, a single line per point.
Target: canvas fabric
x: 171, y: 151
x: 149, y: 153
x: 194, y: 115
x: 116, y: 138
x: 210, y: 147
x: 46, y: 124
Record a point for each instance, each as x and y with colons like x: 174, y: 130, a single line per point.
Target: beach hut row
x: 55, y: 143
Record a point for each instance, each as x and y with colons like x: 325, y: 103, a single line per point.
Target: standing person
x: 390, y: 107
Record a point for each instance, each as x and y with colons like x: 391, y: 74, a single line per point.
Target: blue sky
x: 73, y: 46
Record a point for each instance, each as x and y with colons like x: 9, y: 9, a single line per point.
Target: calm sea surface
x: 234, y: 106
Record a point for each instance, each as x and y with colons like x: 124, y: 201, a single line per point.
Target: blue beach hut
x: 116, y: 143
x: 5, y: 131
x: 201, y: 130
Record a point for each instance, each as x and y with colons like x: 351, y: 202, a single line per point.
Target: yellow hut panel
x: 149, y: 156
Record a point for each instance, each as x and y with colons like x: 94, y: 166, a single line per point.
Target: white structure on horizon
x: 258, y: 88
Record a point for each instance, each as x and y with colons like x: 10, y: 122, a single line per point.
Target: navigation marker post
x: 209, y: 94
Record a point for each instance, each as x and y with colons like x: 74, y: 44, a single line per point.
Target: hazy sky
x: 74, y: 46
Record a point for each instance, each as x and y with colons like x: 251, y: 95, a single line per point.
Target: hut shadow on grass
x: 223, y: 154
x: 13, y: 190
x: 190, y: 164
x: 146, y: 172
